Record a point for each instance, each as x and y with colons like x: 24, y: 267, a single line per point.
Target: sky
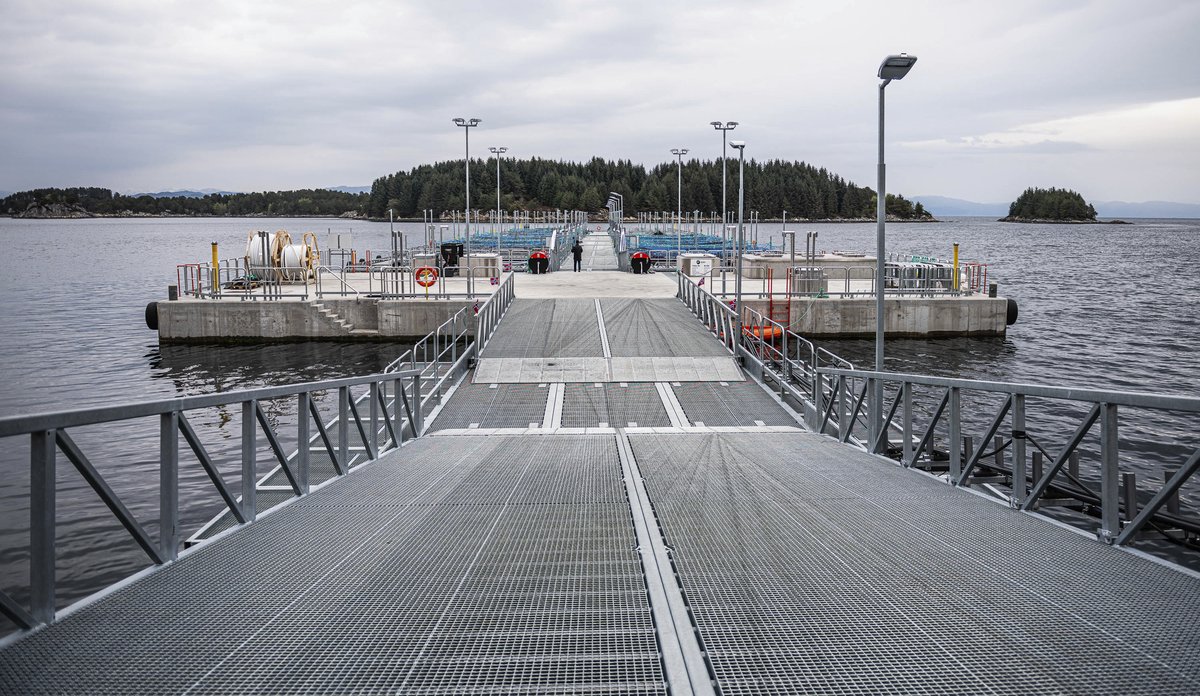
x: 1100, y: 96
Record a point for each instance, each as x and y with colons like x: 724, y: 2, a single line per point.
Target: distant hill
x: 1148, y: 209
x: 349, y: 189
x: 184, y: 194
x: 942, y: 206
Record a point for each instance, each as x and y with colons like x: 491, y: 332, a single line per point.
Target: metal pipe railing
x: 49, y: 434
x: 1120, y: 520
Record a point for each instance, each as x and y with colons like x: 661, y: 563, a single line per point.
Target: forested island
x: 102, y: 202
x: 1050, y: 205
x: 772, y: 187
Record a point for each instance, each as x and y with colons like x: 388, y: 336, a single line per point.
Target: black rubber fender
x: 152, y: 316
x: 1012, y: 312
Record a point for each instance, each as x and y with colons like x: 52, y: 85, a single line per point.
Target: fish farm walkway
x: 605, y: 505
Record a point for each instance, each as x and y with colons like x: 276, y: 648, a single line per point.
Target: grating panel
x: 584, y: 406
x: 617, y: 405
x: 810, y: 567
x: 467, y: 564
x: 732, y: 403
x: 656, y: 327
x: 493, y: 406
x: 561, y: 328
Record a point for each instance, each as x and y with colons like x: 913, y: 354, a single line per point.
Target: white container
x: 696, y: 265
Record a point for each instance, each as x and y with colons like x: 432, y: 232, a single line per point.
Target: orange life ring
x: 426, y: 276
x: 765, y: 332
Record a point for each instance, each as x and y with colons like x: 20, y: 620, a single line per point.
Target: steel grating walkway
x: 456, y: 565
x: 809, y: 567
x: 659, y: 556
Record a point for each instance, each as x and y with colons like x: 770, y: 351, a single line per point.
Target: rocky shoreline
x: 1044, y: 221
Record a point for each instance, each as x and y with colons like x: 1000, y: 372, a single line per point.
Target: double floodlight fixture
x: 498, y: 150
x: 896, y: 67
x: 467, y: 122
x: 679, y: 151
x: 729, y: 125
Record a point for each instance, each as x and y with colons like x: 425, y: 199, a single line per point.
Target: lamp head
x: 737, y: 144
x: 896, y: 67
x: 459, y: 121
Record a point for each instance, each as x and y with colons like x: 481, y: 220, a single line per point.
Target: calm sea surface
x: 1112, y: 306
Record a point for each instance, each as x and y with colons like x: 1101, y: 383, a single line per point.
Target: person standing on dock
x: 577, y: 252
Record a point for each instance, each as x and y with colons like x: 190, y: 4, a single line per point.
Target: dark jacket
x: 577, y: 251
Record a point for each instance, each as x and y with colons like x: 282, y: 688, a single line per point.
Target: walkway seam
x: 684, y: 663
x: 603, y: 331
x: 675, y: 410
x: 552, y: 416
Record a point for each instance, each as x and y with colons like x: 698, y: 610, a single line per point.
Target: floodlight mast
x: 740, y: 146
x: 724, y: 128
x: 894, y: 67
x: 467, y: 124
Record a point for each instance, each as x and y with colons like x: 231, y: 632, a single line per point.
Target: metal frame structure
x: 1030, y: 481
x: 834, y: 397
x: 390, y: 409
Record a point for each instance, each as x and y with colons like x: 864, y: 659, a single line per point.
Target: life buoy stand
x: 426, y: 276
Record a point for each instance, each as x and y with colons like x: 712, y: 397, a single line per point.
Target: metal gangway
x: 633, y: 495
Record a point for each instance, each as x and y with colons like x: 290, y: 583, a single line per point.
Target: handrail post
x: 1019, y: 486
x: 955, y: 434
x: 818, y: 406
x: 302, y: 445
x: 843, y: 410
x: 418, y: 413
x: 42, y: 516
x: 249, y: 462
x: 373, y: 438
x: 398, y: 410
x: 1110, y: 475
x: 168, y: 486
x: 906, y: 392
x: 344, y: 427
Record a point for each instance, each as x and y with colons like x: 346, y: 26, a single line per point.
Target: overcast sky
x: 1099, y: 96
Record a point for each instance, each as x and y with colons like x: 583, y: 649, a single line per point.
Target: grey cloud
x: 114, y: 95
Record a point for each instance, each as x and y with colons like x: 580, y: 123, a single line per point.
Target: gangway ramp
x: 645, y: 535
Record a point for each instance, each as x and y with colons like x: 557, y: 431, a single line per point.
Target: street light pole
x: 467, y: 125
x: 679, y: 152
x: 724, y: 128
x: 740, y: 145
x: 893, y: 68
x: 497, y: 151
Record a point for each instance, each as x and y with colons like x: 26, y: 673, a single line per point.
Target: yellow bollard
x: 216, y: 269
x: 956, y: 265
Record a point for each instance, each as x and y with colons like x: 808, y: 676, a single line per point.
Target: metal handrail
x: 493, y: 310
x: 794, y: 376
x: 1121, y: 520
x: 49, y: 435
x: 340, y: 277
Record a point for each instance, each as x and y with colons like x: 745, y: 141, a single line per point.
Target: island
x: 1052, y: 205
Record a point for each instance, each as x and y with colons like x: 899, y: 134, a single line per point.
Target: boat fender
x: 152, y: 316
x: 1012, y: 311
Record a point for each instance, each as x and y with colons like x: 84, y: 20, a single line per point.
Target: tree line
x: 1051, y: 204
x: 102, y: 201
x: 772, y: 187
